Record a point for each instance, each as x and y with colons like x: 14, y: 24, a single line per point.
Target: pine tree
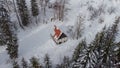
x: 12, y: 47
x: 88, y: 54
x: 8, y: 31
x: 78, y: 53
x: 35, y: 10
x: 78, y: 50
x: 85, y: 58
x: 35, y: 63
x: 2, y: 39
x: 24, y: 63
x: 47, y: 62
x: 109, y: 46
x: 23, y: 12
x: 66, y: 62
x: 117, y: 56
x: 101, y: 52
x: 98, y: 43
x: 15, y: 64
x: 117, y: 48
x: 58, y: 66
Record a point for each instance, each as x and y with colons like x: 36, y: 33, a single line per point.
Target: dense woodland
x: 102, y: 52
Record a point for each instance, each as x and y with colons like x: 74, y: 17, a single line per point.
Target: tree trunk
x: 17, y: 15
x: 36, y: 19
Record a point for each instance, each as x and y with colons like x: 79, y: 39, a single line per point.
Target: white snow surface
x: 37, y: 41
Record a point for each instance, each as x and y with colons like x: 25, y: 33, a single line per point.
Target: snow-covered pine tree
x: 15, y: 64
x: 47, y: 62
x: 101, y: 52
x: 23, y: 12
x: 78, y: 50
x: 2, y: 39
x: 88, y: 54
x: 58, y: 66
x: 117, y: 56
x: 66, y: 62
x: 8, y: 31
x: 98, y: 44
x: 35, y: 63
x: 78, y: 53
x: 35, y: 9
x: 24, y: 63
x: 108, y: 51
x: 6, y: 4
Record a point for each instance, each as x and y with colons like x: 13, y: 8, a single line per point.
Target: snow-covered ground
x: 37, y: 41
